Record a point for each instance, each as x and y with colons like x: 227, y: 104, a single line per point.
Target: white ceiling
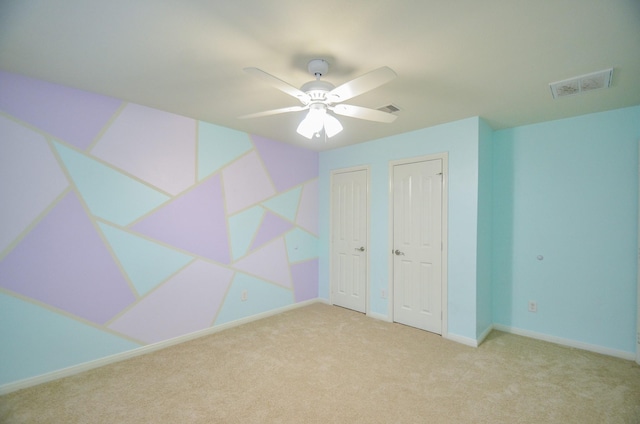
x: 454, y: 59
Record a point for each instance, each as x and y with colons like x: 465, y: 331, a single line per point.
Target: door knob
x: 361, y: 248
x: 398, y: 253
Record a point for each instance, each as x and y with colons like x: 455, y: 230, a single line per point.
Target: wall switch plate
x: 533, y: 306
x: 383, y: 293
x: 244, y: 296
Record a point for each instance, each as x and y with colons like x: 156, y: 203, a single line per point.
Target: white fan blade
x: 363, y: 113
x: 274, y: 112
x: 279, y: 84
x: 361, y: 84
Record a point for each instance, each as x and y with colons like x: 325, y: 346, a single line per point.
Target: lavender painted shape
x: 305, y: 280
x: 186, y: 303
x: 272, y: 226
x: 63, y: 263
x: 268, y: 263
x: 156, y: 146
x: 30, y: 179
x: 72, y: 115
x: 246, y: 183
x: 287, y: 165
x: 194, y: 221
x: 308, y: 210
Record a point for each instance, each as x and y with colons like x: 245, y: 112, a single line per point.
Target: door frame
x: 367, y: 168
x: 444, y: 156
x: 638, y: 258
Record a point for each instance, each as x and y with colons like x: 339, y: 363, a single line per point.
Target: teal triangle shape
x: 218, y: 146
x: 242, y: 230
x: 37, y: 341
x: 285, y: 204
x: 301, y: 245
x: 146, y: 263
x: 260, y: 297
x: 107, y: 192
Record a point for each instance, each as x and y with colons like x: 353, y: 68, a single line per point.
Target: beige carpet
x: 325, y: 364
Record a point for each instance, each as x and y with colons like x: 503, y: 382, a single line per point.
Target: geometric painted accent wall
x: 123, y: 226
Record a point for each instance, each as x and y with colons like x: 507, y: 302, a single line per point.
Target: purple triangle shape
x: 272, y: 226
x: 269, y: 263
x: 287, y: 165
x: 185, y: 303
x: 194, y: 221
x: 305, y: 280
x: 64, y: 263
x: 69, y: 114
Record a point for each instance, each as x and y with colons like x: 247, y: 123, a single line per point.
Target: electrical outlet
x: 383, y: 293
x: 245, y: 295
x: 533, y: 306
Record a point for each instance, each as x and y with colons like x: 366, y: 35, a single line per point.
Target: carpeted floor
x: 325, y: 364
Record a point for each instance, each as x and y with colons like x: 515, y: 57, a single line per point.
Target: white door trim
x: 638, y: 304
x: 333, y: 172
x: 444, y: 156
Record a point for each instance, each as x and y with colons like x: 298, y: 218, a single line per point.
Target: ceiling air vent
x: 581, y: 84
x: 389, y: 108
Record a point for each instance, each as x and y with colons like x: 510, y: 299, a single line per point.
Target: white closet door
x: 349, y: 239
x: 417, y: 244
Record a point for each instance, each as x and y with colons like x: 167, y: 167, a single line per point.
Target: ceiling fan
x: 319, y: 97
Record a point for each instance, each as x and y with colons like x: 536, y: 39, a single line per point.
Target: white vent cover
x: 390, y: 108
x: 581, y: 84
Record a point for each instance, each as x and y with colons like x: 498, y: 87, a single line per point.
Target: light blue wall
x: 485, y: 229
x: 568, y: 190
x: 460, y: 140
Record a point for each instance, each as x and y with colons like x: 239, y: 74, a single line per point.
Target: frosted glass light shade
x: 331, y: 125
x: 313, y: 122
x: 316, y: 120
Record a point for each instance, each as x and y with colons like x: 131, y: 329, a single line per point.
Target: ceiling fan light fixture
x: 313, y: 122
x: 306, y: 129
x: 331, y: 125
x: 316, y: 120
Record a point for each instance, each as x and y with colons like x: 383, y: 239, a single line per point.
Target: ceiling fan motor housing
x: 317, y: 90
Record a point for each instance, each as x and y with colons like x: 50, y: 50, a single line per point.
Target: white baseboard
x: 381, y: 317
x: 484, y: 334
x: 86, y: 366
x: 66, y: 372
x: 461, y: 339
x: 567, y: 342
x: 468, y: 341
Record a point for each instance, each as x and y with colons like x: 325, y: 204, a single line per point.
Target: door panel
x: 349, y: 239
x: 417, y: 236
